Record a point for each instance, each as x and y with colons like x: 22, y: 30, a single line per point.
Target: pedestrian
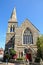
x: 7, y: 61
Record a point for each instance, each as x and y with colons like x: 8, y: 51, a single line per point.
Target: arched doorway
x: 28, y: 54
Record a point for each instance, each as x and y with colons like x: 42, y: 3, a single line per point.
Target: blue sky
x: 31, y: 9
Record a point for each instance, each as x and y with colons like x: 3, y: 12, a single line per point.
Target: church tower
x: 12, y: 24
x: 12, y: 21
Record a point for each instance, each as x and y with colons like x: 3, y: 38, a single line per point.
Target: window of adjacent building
x: 27, y: 37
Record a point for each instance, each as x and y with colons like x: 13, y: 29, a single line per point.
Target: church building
x: 21, y: 38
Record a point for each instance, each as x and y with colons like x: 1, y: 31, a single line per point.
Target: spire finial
x: 14, y: 9
x: 13, y: 15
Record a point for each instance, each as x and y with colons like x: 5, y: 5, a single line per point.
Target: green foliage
x: 40, y: 47
x: 38, y: 43
x: 7, y: 56
x: 37, y: 59
x: 12, y: 52
x: 41, y: 39
x: 19, y: 58
x: 12, y: 60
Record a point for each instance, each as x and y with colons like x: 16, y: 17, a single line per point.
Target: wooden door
x: 29, y: 57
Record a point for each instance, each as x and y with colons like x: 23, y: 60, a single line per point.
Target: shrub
x: 12, y: 51
x: 37, y: 59
x: 12, y: 60
x: 6, y: 56
x: 19, y: 58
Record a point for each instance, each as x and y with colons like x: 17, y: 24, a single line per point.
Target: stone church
x: 21, y: 38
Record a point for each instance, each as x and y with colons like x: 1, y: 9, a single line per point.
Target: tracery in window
x: 27, y: 37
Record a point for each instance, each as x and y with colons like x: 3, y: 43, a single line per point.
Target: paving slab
x: 7, y: 64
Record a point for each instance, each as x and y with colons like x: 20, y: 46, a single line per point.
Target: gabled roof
x: 31, y: 23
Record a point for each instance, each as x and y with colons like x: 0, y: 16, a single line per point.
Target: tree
x: 12, y: 52
x: 37, y: 59
x: 9, y: 54
x: 41, y: 39
x: 6, y: 56
x: 39, y: 44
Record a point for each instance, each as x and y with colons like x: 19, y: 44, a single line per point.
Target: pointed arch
x: 27, y: 37
x: 11, y: 28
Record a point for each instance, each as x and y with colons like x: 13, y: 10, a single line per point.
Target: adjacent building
x: 1, y: 53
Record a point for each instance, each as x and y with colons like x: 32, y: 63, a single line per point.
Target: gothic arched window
x: 11, y: 29
x: 27, y: 37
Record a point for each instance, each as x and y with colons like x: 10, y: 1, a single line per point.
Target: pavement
x: 7, y: 64
x: 10, y: 64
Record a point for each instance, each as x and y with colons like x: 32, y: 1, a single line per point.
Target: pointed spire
x: 13, y: 16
